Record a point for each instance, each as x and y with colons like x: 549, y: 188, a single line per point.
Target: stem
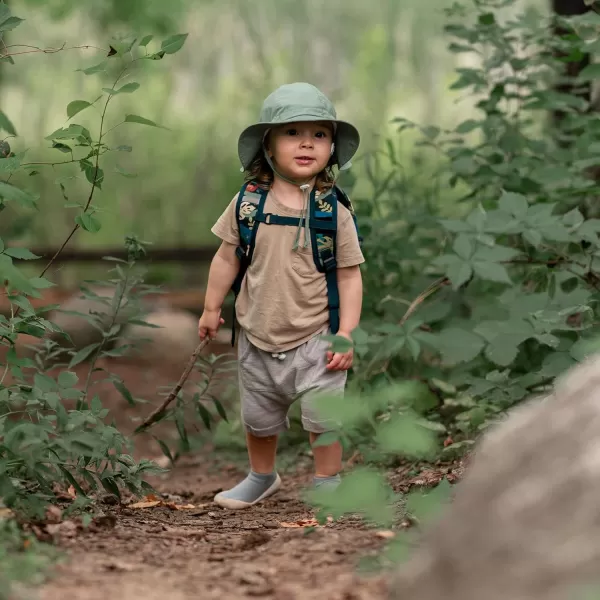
x: 155, y: 415
x: 91, y: 196
x: 101, y: 346
x: 37, y: 49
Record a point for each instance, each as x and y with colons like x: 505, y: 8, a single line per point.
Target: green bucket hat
x: 295, y: 102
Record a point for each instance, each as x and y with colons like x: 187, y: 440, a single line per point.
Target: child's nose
x: 307, y: 141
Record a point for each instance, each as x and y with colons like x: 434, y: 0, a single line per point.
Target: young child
x: 283, y: 306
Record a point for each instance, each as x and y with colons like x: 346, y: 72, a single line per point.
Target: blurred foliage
x: 374, y: 60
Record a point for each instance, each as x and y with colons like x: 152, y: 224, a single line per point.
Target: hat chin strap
x: 305, y: 187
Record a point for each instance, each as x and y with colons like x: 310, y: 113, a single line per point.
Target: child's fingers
x: 335, y: 362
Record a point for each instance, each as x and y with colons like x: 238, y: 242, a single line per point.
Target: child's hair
x: 261, y: 173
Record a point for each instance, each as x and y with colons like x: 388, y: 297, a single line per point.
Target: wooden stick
x: 186, y: 373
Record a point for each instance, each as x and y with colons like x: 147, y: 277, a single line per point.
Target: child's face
x: 301, y: 150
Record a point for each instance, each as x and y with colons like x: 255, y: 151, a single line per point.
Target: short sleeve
x: 226, y: 226
x: 348, y: 252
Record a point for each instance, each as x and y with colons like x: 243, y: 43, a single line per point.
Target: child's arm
x: 223, y: 270
x: 350, y: 290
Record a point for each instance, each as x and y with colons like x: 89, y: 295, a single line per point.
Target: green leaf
x: 124, y: 173
x: 11, y: 23
x: 463, y: 247
x: 88, y: 222
x: 202, y: 411
x: 404, y: 435
x: 326, y: 439
x: 14, y: 194
x: 99, y: 68
x: 76, y: 107
x: 491, y: 271
x: 514, y: 204
x: 487, y: 19
x: 533, y: 236
x: 426, y: 504
x: 6, y: 124
x: 467, y: 126
x: 67, y: 379
x: 458, y: 345
x: 82, y: 354
x: 110, y: 485
x: 590, y: 72
x: 495, y: 253
x: 41, y: 283
x: 141, y: 121
x: 174, y: 43
x: 122, y: 389
x: 459, y: 273
x: 220, y: 409
x: 146, y: 40
x: 128, y: 88
x: 21, y: 253
x: 503, y: 350
x: 165, y: 449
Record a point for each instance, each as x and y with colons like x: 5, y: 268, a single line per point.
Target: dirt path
x: 161, y: 553
x: 207, y: 553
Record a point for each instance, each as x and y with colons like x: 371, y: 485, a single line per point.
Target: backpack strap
x: 345, y: 200
x: 323, y: 238
x: 249, y: 212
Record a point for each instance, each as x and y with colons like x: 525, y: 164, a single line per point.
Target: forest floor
x: 179, y: 545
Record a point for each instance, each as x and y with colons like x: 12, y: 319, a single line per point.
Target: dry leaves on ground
x: 152, y: 501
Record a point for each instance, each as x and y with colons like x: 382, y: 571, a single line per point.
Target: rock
x: 524, y: 523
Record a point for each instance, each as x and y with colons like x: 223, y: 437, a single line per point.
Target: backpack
x: 323, y: 232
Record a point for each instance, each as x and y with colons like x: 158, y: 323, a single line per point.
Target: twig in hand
x: 186, y: 373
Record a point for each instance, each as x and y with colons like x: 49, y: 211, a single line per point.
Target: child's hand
x: 209, y: 324
x: 340, y: 361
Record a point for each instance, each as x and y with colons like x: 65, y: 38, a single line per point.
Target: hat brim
x: 347, y: 140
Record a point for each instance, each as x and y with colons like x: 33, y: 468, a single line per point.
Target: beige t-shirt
x: 283, y: 299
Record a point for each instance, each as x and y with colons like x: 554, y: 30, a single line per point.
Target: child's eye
x: 291, y: 132
x: 321, y: 134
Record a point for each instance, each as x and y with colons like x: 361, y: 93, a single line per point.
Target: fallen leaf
x: 149, y: 504
x: 154, y: 503
x: 301, y: 523
x: 6, y: 513
x: 53, y: 514
x: 448, y: 442
x: 26, y: 544
x: 386, y: 534
x: 71, y: 492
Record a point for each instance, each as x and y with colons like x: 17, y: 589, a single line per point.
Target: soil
x: 187, y: 547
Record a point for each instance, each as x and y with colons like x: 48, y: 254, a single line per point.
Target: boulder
x: 524, y: 523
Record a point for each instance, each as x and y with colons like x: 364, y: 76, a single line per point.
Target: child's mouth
x: 304, y: 160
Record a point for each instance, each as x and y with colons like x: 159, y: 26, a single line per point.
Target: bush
x: 470, y: 313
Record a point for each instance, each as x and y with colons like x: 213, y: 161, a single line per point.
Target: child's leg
x: 261, y: 452
x: 316, y: 381
x: 264, y: 416
x: 328, y: 459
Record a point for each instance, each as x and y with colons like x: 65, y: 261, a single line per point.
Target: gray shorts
x: 269, y: 385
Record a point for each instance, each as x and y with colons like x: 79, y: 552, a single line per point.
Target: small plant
x: 53, y: 430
